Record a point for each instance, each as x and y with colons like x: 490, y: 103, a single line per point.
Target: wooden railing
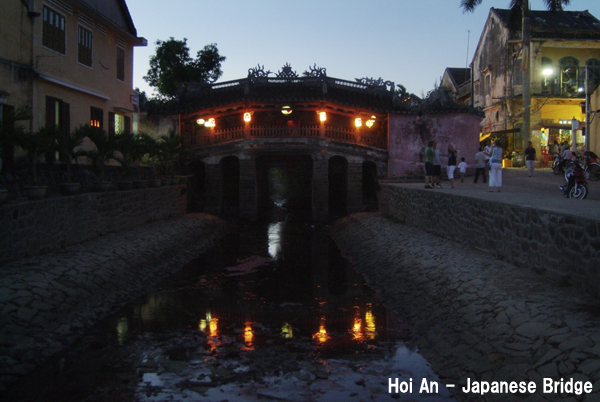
x: 220, y: 136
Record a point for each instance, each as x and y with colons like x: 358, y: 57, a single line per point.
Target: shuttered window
x: 53, y: 30
x: 84, y: 49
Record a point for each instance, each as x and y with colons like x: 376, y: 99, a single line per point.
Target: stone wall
x: 409, y: 134
x: 563, y: 246
x: 33, y: 227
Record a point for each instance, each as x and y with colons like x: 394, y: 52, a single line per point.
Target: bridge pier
x: 248, y: 189
x: 320, y: 187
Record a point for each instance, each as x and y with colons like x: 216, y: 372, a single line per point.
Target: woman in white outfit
x: 496, y: 167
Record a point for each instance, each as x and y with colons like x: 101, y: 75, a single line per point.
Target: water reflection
x: 297, y: 287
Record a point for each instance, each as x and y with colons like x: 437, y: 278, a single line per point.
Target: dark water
x: 273, y: 299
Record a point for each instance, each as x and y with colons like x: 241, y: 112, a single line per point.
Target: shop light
x: 548, y: 71
x: 358, y: 122
x: 370, y: 123
x: 322, y: 116
x: 210, y: 123
x: 247, y: 117
x: 200, y: 121
x: 286, y: 110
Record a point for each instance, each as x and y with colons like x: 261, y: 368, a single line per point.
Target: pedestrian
x: 451, y: 164
x: 429, y: 154
x: 530, y: 158
x: 463, y: 169
x: 496, y: 168
x: 480, y: 162
x: 437, y: 165
x: 487, y: 151
x: 554, y: 149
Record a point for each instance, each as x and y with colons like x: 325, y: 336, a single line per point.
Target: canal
x: 274, y: 312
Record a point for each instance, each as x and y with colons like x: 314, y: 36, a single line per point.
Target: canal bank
x: 49, y: 301
x: 473, y: 316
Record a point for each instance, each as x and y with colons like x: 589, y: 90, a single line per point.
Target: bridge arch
x: 230, y: 186
x: 338, y: 186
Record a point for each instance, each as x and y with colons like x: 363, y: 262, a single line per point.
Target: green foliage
x: 10, y: 132
x: 172, y: 65
x: 105, y: 147
x: 67, y: 145
x: 37, y: 143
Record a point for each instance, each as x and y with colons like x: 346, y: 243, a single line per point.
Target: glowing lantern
x: 200, y: 121
x: 286, y: 110
x: 247, y: 117
x: 358, y: 122
x: 210, y: 123
x: 370, y: 123
x: 322, y: 116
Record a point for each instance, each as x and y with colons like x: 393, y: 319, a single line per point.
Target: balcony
x: 570, y: 83
x: 341, y: 134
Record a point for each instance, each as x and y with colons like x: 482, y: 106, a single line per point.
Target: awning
x: 562, y: 126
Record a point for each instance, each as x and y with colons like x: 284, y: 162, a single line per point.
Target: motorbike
x: 575, y: 185
x: 592, y: 168
x: 560, y: 165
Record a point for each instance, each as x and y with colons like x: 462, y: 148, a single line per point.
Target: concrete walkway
x: 539, y: 191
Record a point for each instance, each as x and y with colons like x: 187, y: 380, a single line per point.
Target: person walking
x: 429, y: 154
x: 496, y: 167
x: 530, y: 158
x: 451, y: 164
x: 487, y: 150
x: 480, y: 162
x: 437, y: 165
x: 463, y: 169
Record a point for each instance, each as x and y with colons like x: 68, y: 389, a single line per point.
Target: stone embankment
x: 475, y: 317
x: 46, y: 302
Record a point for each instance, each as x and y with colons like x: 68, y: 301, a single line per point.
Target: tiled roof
x: 301, y: 89
x: 459, y: 75
x: 559, y: 25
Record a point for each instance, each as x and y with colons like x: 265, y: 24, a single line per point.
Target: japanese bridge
x: 318, y: 142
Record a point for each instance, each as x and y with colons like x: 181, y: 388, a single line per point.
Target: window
x: 568, y: 75
x: 53, y: 30
x: 96, y: 117
x: 84, y: 49
x: 58, y: 113
x: 517, y: 73
x: 118, y: 124
x: 593, y: 73
x: 120, y: 64
x: 548, y: 76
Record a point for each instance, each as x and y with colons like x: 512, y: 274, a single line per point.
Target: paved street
x: 540, y: 192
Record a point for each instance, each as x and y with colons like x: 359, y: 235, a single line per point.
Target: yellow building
x: 70, y: 62
x: 563, y: 46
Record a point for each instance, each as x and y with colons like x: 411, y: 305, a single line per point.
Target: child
x: 463, y: 169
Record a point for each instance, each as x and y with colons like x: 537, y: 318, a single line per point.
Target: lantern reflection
x: 321, y: 336
x: 248, y: 334
x: 370, y: 331
x: 286, y: 330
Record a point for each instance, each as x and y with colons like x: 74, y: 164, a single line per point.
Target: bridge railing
x: 273, y: 131
x: 219, y: 136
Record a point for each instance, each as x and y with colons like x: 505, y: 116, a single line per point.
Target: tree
x: 522, y: 7
x: 172, y: 65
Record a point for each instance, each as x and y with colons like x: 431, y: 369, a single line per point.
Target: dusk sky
x: 405, y: 41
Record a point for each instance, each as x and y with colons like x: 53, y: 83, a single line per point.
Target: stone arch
x: 230, y: 186
x: 369, y: 186
x: 197, y: 186
x: 338, y: 186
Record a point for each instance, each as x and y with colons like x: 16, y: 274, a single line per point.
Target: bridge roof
x: 377, y: 97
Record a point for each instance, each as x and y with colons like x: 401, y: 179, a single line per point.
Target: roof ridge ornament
x: 287, y: 72
x: 376, y: 83
x: 316, y: 72
x: 258, y: 72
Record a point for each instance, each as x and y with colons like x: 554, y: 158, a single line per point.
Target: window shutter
x: 65, y: 117
x: 111, y: 124
x: 50, y: 111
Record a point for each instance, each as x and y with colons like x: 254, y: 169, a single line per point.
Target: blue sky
x: 405, y: 41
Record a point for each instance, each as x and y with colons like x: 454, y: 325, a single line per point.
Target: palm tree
x: 522, y: 7
x: 10, y: 132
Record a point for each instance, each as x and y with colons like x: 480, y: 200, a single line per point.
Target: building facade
x: 69, y: 62
x: 564, y: 45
